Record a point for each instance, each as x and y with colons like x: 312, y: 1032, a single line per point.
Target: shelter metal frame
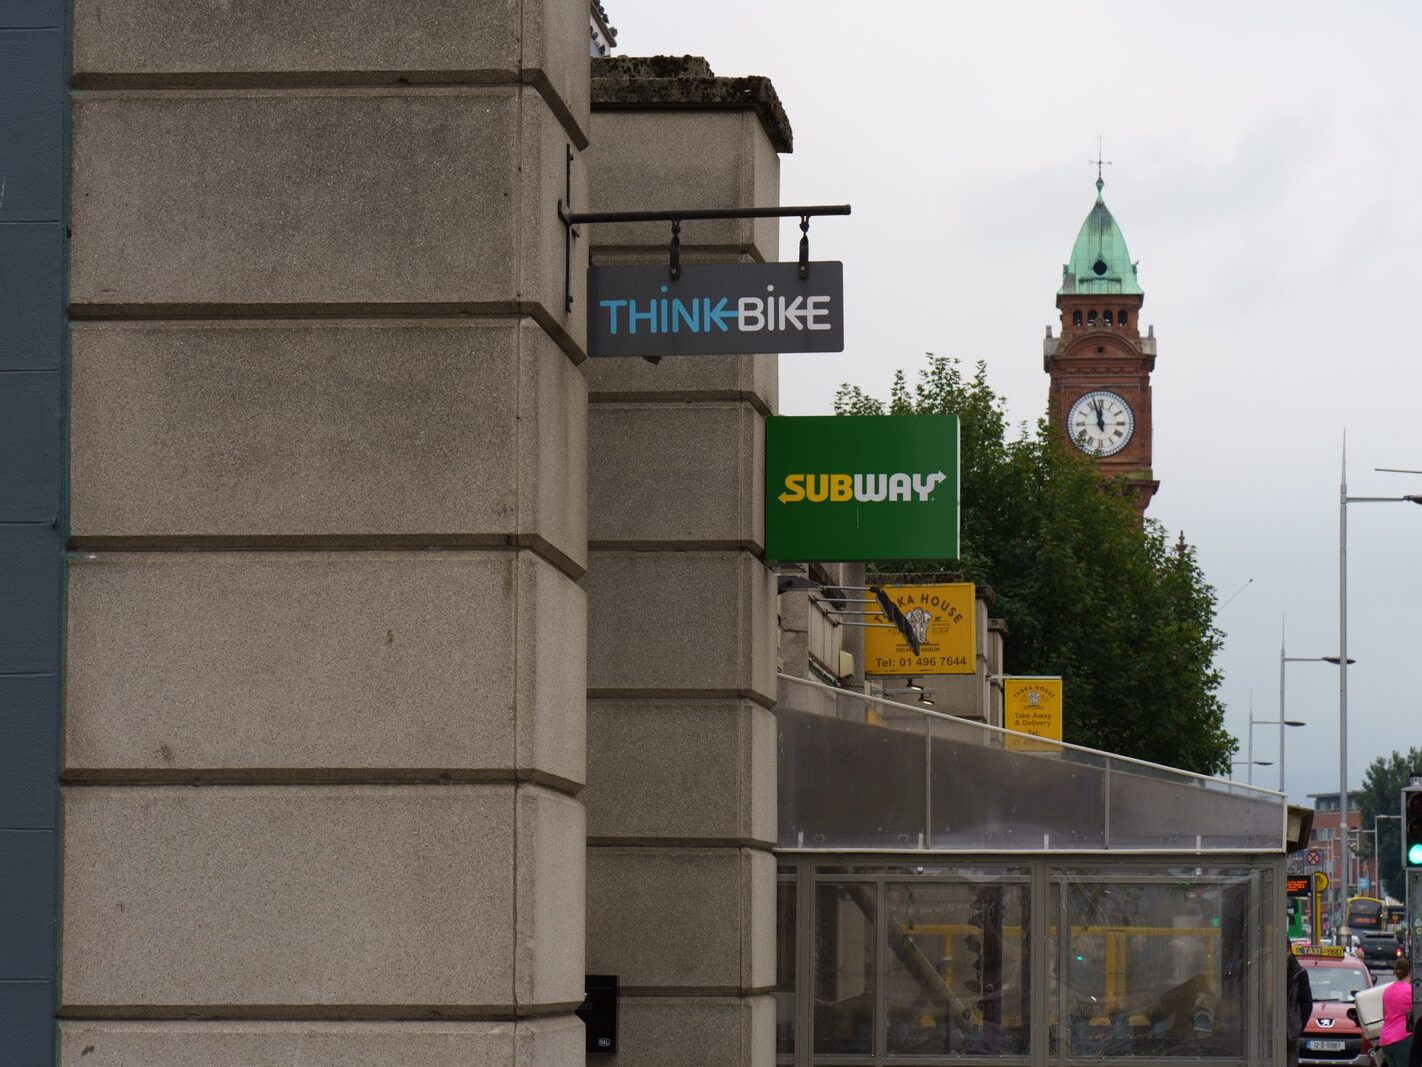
x: 1264, y: 874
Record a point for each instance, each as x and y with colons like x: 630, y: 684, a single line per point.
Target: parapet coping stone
x: 686, y: 83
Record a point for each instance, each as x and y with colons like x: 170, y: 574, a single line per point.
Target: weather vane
x: 1099, y: 162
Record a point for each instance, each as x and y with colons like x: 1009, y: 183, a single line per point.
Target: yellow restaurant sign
x: 1032, y: 706
x: 942, y: 620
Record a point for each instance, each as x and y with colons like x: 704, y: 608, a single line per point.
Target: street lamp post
x: 1282, y: 721
x: 1377, y: 852
x: 1343, y: 501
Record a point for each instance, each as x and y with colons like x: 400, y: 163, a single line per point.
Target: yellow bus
x: 1365, y: 915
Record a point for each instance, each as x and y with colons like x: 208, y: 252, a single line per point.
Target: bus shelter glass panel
x: 1153, y: 967
x: 861, y: 773
x: 978, y: 800
x: 957, y: 969
x: 846, y: 964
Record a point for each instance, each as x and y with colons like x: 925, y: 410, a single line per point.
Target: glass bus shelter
x: 952, y: 893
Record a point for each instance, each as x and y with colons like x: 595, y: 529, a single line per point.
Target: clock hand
x: 1100, y: 417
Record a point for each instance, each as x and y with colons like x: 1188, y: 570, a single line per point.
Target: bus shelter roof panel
x: 862, y: 773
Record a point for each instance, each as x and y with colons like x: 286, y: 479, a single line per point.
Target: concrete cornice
x: 686, y: 83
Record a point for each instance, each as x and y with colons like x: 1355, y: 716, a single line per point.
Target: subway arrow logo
x: 866, y: 488
x: 861, y: 487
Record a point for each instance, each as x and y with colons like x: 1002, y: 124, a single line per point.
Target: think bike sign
x: 715, y: 309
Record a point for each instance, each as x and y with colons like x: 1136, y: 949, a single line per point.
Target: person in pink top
x: 1395, y: 1040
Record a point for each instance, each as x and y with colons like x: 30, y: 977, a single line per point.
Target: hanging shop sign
x: 715, y: 309
x: 941, y: 619
x: 1032, y: 706
x: 850, y: 488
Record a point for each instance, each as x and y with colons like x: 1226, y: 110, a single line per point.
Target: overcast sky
x: 1267, y: 174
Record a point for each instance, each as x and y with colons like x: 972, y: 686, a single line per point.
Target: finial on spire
x: 1099, y: 162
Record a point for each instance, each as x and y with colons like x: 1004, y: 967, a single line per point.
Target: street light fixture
x: 1282, y: 721
x: 1343, y: 501
x: 1251, y: 763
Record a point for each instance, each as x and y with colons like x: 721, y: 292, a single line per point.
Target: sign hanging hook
x: 676, y: 249
x: 804, y: 246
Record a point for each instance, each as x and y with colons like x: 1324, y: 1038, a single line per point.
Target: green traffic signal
x: 1414, y: 854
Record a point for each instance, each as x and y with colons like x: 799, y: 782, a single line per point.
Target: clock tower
x: 1100, y: 365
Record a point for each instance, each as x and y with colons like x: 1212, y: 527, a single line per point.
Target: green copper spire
x: 1099, y: 260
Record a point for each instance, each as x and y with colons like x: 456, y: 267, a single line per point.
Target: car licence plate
x: 1327, y: 1046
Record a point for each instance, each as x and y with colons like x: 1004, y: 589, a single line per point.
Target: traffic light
x: 1412, y: 826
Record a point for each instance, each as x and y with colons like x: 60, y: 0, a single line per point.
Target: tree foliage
x: 1382, y: 789
x: 1086, y: 592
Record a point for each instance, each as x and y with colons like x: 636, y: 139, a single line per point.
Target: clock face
x: 1100, y: 423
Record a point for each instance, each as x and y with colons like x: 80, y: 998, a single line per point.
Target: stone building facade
x: 412, y: 667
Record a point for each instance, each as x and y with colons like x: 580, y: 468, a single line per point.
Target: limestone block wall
x: 326, y: 647
x: 682, y: 611
x: 812, y: 630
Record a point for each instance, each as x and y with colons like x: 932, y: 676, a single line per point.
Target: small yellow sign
x: 942, y: 620
x: 1032, y: 706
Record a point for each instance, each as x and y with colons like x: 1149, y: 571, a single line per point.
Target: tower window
x: 1099, y: 267
x: 1108, y: 318
x: 1122, y: 318
x: 1091, y: 318
x: 1076, y: 318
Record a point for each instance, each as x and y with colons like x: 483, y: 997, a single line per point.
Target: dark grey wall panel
x: 32, y: 106
x: 31, y: 14
x: 26, y: 1023
x: 30, y: 421
x: 33, y: 145
x: 27, y: 869
x: 31, y: 261
x: 29, y: 613
x: 30, y: 751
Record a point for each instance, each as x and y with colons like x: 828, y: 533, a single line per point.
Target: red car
x: 1331, y: 1037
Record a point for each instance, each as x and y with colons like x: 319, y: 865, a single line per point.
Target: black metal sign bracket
x: 570, y: 232
x: 573, y: 219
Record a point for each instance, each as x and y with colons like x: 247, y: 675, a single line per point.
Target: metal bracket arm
x: 571, y: 219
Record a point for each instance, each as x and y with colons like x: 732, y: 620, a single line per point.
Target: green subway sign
x: 846, y: 488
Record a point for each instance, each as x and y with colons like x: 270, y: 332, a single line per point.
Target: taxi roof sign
x: 1322, y: 952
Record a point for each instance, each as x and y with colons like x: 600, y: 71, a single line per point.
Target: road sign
x: 1313, y: 857
x: 715, y: 309
x: 1320, y: 881
x: 848, y: 488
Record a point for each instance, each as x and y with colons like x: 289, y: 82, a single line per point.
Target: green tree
x: 1086, y: 592
x: 1382, y: 788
